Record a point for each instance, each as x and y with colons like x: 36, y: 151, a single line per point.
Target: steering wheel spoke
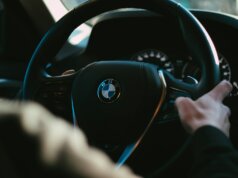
x: 54, y: 93
x: 178, y: 87
x: 175, y: 88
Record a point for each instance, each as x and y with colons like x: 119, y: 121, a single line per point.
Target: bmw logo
x: 109, y: 91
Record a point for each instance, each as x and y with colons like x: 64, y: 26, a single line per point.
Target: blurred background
x: 227, y: 6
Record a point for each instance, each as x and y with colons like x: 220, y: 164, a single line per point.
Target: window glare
x: 56, y: 8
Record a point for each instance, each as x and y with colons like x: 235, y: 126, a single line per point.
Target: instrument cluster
x: 184, y: 68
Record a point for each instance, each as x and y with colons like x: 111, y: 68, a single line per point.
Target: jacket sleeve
x: 213, y: 155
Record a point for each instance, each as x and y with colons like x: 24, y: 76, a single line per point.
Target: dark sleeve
x: 213, y: 155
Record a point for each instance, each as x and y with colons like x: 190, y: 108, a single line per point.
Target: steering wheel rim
x: 203, y: 51
x: 58, y: 35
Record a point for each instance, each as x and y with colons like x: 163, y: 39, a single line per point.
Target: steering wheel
x: 116, y: 102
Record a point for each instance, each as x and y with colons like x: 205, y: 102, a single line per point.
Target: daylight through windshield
x: 227, y: 6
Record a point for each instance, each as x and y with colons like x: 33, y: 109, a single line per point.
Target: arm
x: 207, y: 119
x: 213, y: 154
x: 59, y: 143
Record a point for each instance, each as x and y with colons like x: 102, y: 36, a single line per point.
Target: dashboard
x: 141, y: 36
x: 184, y: 68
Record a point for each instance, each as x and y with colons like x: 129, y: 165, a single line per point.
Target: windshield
x: 58, y: 8
x: 226, y: 6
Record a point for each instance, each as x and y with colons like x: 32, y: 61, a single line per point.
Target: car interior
x: 62, y: 54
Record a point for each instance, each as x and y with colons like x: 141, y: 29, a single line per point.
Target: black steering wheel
x: 116, y: 102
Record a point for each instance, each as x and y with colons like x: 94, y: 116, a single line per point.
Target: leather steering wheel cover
x: 203, y: 50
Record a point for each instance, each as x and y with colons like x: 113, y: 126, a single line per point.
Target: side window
x: 1, y: 27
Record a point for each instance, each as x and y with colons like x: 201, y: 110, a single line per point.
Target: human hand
x: 62, y: 145
x: 208, y: 110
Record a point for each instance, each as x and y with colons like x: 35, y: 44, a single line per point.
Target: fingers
x: 8, y: 107
x: 187, y: 111
x: 184, y: 106
x: 34, y: 118
x: 227, y: 111
x: 226, y: 128
x: 221, y: 90
x: 224, y: 124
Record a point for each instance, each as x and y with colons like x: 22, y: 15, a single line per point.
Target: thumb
x: 187, y: 110
x: 185, y: 106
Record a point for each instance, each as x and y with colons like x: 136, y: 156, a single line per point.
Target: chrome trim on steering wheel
x: 132, y: 147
